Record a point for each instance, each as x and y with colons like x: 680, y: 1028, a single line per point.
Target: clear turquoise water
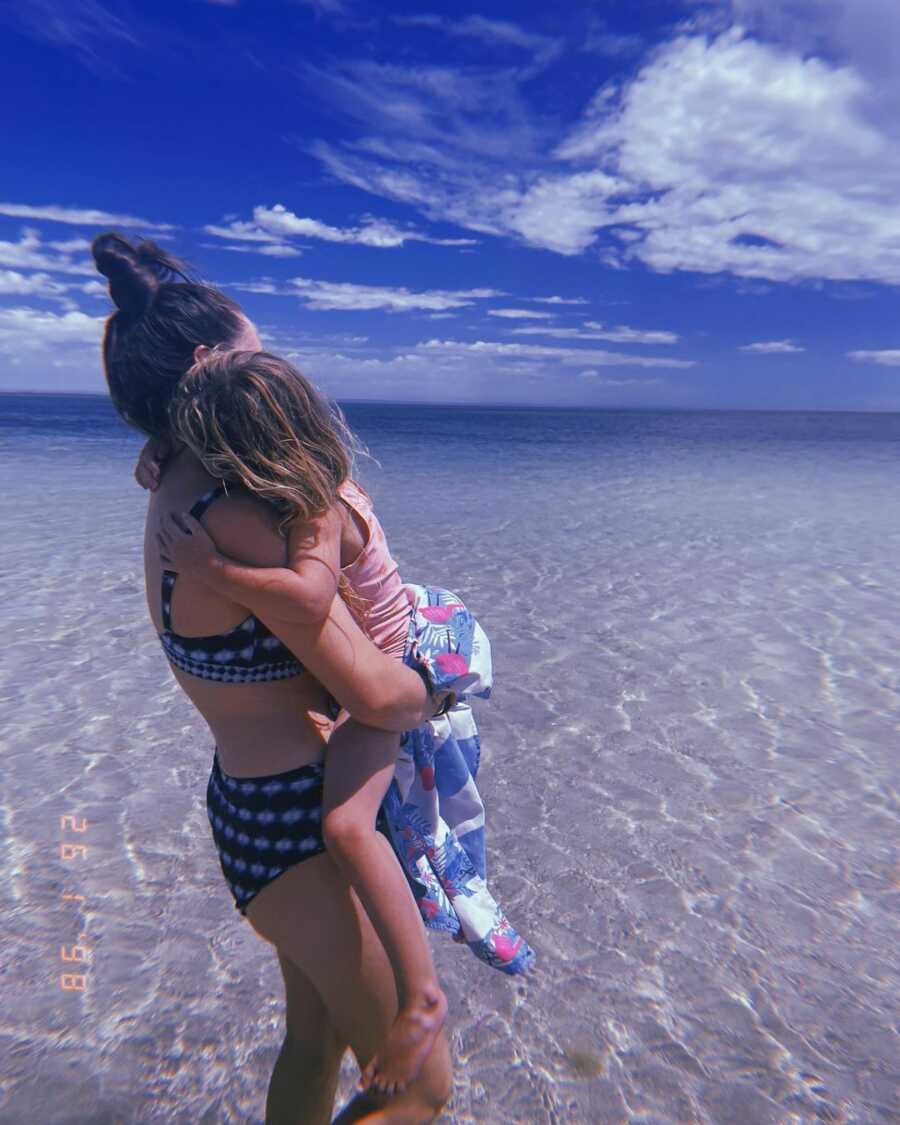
x: 689, y: 766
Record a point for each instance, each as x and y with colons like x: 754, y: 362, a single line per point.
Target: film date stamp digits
x: 73, y: 852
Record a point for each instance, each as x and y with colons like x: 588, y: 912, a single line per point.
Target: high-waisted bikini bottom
x: 264, y: 825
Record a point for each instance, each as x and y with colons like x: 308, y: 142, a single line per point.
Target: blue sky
x: 686, y: 204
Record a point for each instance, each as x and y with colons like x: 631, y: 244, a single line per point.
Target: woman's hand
x: 185, y: 546
x: 150, y: 462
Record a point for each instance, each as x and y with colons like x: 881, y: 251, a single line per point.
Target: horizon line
x: 525, y: 405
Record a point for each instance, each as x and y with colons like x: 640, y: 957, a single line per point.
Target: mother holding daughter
x: 335, y: 693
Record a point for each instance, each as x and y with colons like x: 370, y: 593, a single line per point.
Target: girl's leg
x: 359, y: 766
x: 317, y: 922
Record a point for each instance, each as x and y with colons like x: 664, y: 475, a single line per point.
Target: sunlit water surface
x: 689, y: 766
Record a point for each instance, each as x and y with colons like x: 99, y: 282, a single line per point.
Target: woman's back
x: 259, y: 727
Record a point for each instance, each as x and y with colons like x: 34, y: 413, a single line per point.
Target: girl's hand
x: 150, y: 462
x: 185, y: 545
x: 443, y: 701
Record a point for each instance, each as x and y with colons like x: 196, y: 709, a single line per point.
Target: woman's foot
x: 407, y: 1046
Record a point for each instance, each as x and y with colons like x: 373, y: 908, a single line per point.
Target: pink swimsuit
x: 375, y: 576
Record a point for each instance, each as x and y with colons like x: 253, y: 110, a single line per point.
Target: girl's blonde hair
x: 254, y: 420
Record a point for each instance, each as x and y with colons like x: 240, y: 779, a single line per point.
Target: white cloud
x: 272, y: 250
x: 560, y: 300
x: 425, y: 370
x: 446, y: 141
x: 16, y: 284
x: 373, y: 232
x: 349, y: 296
x: 239, y: 231
x: 431, y: 370
x: 75, y: 24
x: 724, y: 153
x: 94, y: 289
x: 54, y: 213
x: 562, y: 213
x: 863, y: 33
x: 264, y: 285
x: 283, y: 340
x: 271, y: 225
x: 70, y: 245
x: 30, y: 253
x: 623, y: 335
x: 345, y: 295
x: 463, y: 147
x: 772, y: 347
x: 269, y: 249
x: 751, y: 160
x: 557, y: 212
x: 28, y: 329
x: 492, y: 32
x: 13, y: 283
x: 566, y: 356
x: 598, y: 380
x: 887, y: 358
x: 556, y: 333
x: 595, y: 331
x: 520, y: 314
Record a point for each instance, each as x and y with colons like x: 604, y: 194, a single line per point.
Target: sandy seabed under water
x: 689, y: 764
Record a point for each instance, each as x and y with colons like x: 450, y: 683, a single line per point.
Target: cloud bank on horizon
x: 724, y: 172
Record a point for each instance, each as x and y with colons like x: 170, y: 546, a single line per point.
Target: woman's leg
x: 315, y: 919
x: 304, y: 1080
x: 359, y: 766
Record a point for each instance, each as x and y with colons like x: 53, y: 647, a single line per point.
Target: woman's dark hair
x: 162, y: 316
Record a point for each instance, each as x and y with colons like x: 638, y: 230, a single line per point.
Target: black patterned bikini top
x: 248, y: 653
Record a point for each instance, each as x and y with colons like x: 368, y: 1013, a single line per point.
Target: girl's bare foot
x: 407, y: 1046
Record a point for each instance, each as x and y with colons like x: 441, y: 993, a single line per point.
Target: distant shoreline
x: 532, y: 407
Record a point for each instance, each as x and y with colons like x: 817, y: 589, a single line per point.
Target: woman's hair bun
x: 135, y: 272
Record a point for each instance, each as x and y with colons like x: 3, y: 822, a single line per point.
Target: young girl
x: 254, y: 422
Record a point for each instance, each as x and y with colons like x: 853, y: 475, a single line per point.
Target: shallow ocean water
x: 689, y: 765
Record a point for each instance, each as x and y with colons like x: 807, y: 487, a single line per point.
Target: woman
x: 269, y: 716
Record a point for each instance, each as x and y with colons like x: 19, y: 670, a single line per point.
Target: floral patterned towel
x: 433, y: 811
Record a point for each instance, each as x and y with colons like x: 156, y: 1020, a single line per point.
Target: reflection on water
x: 689, y: 765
